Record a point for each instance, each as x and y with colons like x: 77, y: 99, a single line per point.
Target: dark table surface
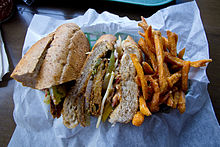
x: 14, y: 31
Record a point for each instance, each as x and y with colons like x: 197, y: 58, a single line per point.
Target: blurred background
x: 15, y: 17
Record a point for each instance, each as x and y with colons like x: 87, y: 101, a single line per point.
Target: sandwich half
x: 52, y: 62
x: 106, y: 86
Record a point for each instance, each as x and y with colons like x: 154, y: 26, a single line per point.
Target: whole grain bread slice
x: 73, y: 109
x: 128, y: 105
x: 53, y: 60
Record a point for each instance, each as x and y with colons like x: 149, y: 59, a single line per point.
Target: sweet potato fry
x: 147, y: 68
x: 170, y: 100
x: 143, y: 107
x: 181, y: 53
x: 142, y: 34
x: 166, y: 69
x: 182, y: 102
x: 174, y: 60
x: 173, y: 79
x: 143, y: 24
x: 165, y: 97
x: 185, y: 71
x: 138, y: 119
x: 165, y: 42
x: 176, y: 99
x: 154, y: 104
x: 137, y: 80
x: 148, y: 53
x: 172, y: 41
x: 140, y: 74
x: 143, y: 46
x: 160, y: 59
x: 200, y: 63
x: 149, y: 39
x: 154, y: 83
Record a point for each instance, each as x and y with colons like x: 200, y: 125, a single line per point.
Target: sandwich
x: 52, y: 64
x: 106, y: 87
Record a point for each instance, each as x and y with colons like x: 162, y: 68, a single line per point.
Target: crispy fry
x: 173, y: 79
x: 143, y: 24
x: 176, y: 99
x: 143, y: 107
x: 154, y: 83
x: 170, y: 100
x: 185, y: 71
x: 143, y: 20
x: 147, y: 68
x: 165, y: 42
x: 142, y: 34
x: 167, y: 75
x: 154, y: 104
x: 156, y: 96
x: 172, y: 41
x: 182, y: 102
x: 137, y: 80
x: 138, y: 119
x: 149, y: 39
x: 160, y: 59
x: 140, y: 74
x: 174, y: 60
x: 200, y: 63
x: 166, y: 69
x: 165, y: 97
x: 148, y: 53
x: 181, y: 53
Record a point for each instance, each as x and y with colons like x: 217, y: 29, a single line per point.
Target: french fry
x: 170, y: 100
x: 156, y: 96
x: 173, y: 60
x: 172, y: 41
x: 149, y: 39
x: 167, y: 75
x: 137, y: 81
x: 148, y: 53
x: 154, y: 104
x: 142, y: 34
x: 200, y: 63
x: 154, y: 83
x: 160, y: 59
x: 181, y: 53
x: 138, y: 119
x: 173, y: 79
x: 166, y: 69
x: 165, y: 97
x: 140, y: 74
x: 182, y: 102
x: 143, y: 24
x: 147, y: 68
x: 176, y: 99
x: 185, y: 71
x: 165, y: 42
x: 143, y: 107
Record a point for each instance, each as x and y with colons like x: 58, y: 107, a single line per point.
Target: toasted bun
x: 53, y: 60
x: 128, y: 105
x: 73, y: 109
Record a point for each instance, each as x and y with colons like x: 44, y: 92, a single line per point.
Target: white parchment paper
x: 196, y: 127
x: 4, y: 65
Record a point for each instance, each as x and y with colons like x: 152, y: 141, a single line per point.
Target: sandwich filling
x: 105, y: 90
x: 55, y: 97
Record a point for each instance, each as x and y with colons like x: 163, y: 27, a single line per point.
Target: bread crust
x: 128, y: 105
x: 103, y: 44
x: 54, y: 59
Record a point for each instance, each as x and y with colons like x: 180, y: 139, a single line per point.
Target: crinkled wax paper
x: 4, y: 65
x: 196, y: 127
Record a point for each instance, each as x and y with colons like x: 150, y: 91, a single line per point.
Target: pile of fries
x: 163, y: 76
